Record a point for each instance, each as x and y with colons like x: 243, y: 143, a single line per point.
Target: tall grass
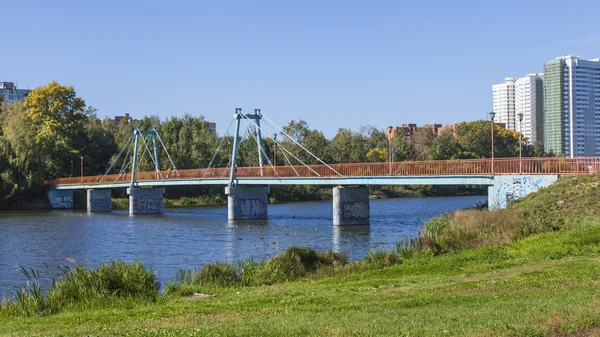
x: 294, y: 263
x: 78, y: 287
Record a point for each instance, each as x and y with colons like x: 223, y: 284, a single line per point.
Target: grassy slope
x: 546, y: 284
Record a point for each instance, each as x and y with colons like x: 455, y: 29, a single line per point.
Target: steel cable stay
x: 167, y: 152
x: 288, y: 160
x: 221, y: 144
x: 264, y: 153
x: 117, y: 157
x: 156, y: 168
x: 257, y: 126
x: 297, y: 143
x: 123, y: 166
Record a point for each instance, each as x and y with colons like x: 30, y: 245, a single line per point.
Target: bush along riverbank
x: 530, y: 270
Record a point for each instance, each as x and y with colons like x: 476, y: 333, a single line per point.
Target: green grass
x: 532, y: 270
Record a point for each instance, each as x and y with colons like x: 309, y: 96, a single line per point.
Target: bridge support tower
x: 351, y: 206
x: 145, y: 200
x: 247, y: 202
x: 99, y: 200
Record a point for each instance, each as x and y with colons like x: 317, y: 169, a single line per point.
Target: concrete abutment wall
x: 512, y: 187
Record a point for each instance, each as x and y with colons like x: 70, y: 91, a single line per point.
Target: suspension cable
x: 264, y: 153
x: 246, y: 117
x: 156, y: 168
x: 220, y: 144
x: 117, y: 157
x: 295, y: 142
x: 288, y: 159
x: 298, y: 159
x: 167, y: 152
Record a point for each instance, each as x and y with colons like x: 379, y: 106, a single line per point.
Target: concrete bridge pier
x: 245, y: 202
x: 351, y: 206
x: 145, y: 200
x: 60, y: 199
x: 99, y: 200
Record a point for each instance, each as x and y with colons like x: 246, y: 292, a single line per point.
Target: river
x: 191, y: 237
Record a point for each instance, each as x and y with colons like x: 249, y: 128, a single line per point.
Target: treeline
x: 54, y: 132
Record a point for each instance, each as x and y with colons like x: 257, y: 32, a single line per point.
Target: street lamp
x: 71, y: 160
x: 81, y: 169
x: 520, y: 115
x: 274, y: 150
x: 389, y: 138
x: 492, y: 115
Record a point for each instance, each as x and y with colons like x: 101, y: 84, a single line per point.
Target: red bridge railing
x: 502, y: 166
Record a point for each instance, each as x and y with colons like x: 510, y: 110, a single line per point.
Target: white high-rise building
x: 529, y: 101
x: 504, y: 103
x: 572, y: 106
x: 11, y: 94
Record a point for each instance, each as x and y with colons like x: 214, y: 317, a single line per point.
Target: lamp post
x: 389, y: 139
x: 81, y: 169
x: 274, y: 150
x: 71, y: 160
x: 492, y: 115
x: 520, y: 115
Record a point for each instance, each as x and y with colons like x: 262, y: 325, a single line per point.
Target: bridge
x: 248, y: 187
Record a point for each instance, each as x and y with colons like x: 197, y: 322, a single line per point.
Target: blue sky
x: 332, y: 63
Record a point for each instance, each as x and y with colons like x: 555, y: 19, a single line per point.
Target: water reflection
x: 351, y: 238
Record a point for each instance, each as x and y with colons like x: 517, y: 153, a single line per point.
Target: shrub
x: 79, y: 285
x: 383, y: 259
x: 84, y: 288
x: 218, y: 273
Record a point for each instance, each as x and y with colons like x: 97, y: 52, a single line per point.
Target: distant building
x: 448, y: 128
x: 408, y: 129
x: 212, y: 127
x: 504, y: 102
x: 11, y: 94
x: 572, y: 106
x: 529, y: 101
x: 123, y: 119
x: 524, y: 95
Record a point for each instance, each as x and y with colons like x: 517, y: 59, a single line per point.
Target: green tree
x: 57, y: 117
x: 423, y: 141
x: 347, y: 147
x: 400, y: 147
x: 444, y: 146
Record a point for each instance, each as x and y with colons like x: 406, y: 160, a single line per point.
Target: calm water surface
x: 191, y: 237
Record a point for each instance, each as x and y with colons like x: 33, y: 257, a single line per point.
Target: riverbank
x: 529, y: 270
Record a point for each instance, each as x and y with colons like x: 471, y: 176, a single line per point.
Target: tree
x: 57, y: 117
x: 312, y: 140
x: 377, y: 155
x: 474, y: 139
x: 22, y: 170
x: 400, y: 147
x: 347, y: 147
x: 422, y: 143
x: 444, y: 146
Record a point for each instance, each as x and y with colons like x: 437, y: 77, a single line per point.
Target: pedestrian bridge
x: 248, y: 187
x: 507, y: 178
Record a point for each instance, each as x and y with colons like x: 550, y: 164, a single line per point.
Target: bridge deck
x: 443, y: 172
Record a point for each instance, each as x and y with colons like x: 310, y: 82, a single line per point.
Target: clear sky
x: 332, y: 63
